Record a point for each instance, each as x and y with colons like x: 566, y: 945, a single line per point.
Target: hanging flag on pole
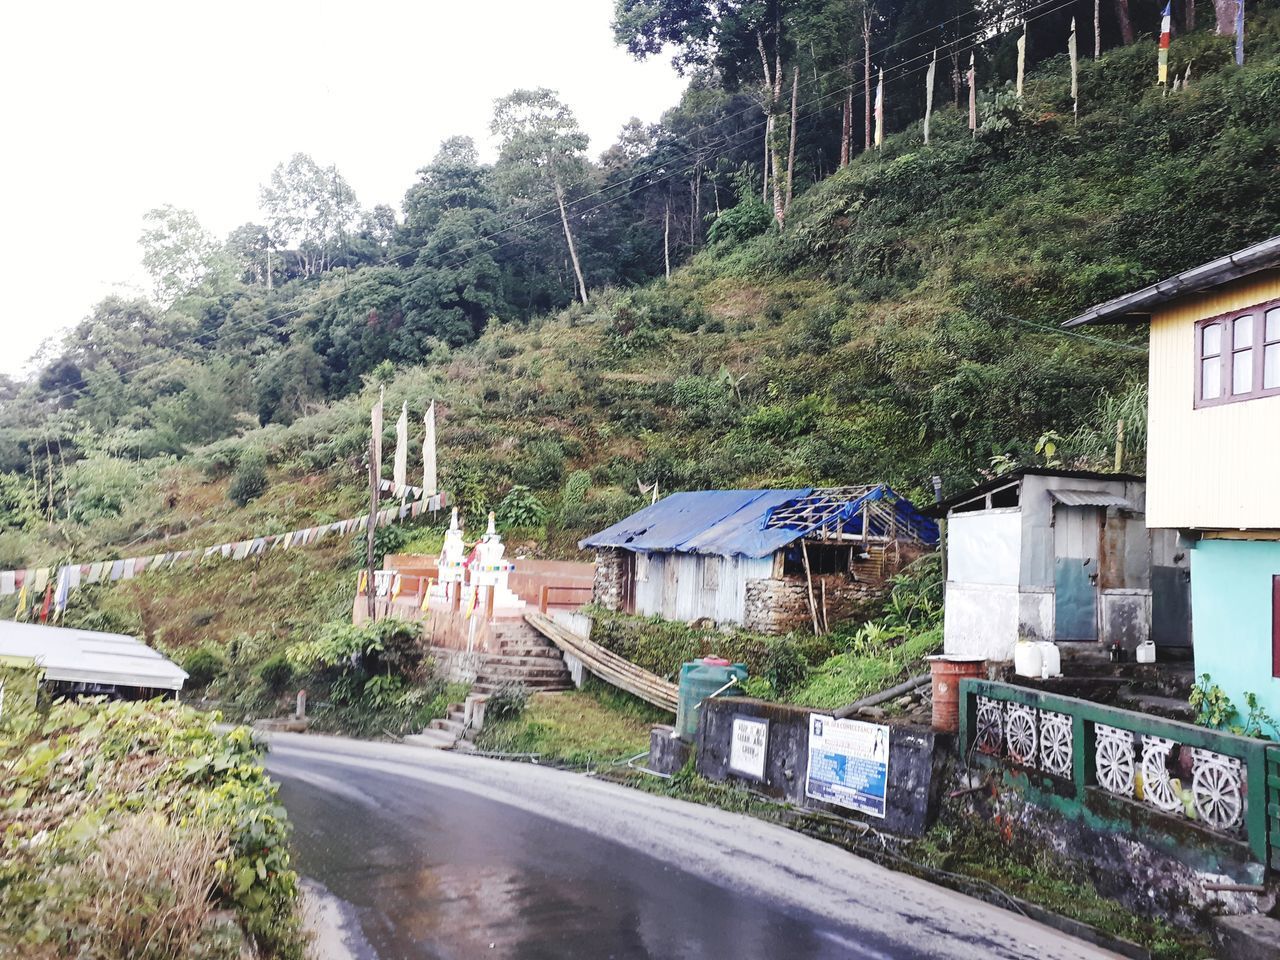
x: 429, y: 452
x: 1166, y: 34
x: 1239, y: 33
x: 880, y: 111
x: 375, y: 425
x: 400, y: 466
x: 928, y: 92
x: 1022, y: 58
x: 973, y: 98
x: 64, y: 590
x: 1097, y: 29
x: 1075, y: 79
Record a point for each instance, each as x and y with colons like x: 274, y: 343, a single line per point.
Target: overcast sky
x: 111, y: 109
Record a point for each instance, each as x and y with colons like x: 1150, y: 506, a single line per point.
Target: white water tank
x: 1027, y: 659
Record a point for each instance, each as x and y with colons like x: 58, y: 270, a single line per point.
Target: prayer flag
x: 399, y: 469
x: 973, y: 98
x: 1166, y: 34
x: 64, y: 591
x: 375, y: 423
x: 1186, y: 79
x: 429, y: 451
x: 1240, y: 33
x: 47, y: 605
x: 880, y: 111
x: 426, y: 596
x: 1075, y: 80
x: 928, y: 92
x: 21, y: 610
x: 1022, y: 58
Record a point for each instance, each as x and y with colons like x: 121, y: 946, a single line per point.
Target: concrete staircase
x: 1159, y: 689
x: 524, y: 658
x: 448, y: 733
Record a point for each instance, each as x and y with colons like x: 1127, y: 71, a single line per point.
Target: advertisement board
x: 848, y: 763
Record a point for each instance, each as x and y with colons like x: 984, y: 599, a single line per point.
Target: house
x: 1213, y: 452
x: 768, y: 560
x: 1062, y: 555
x: 89, y: 663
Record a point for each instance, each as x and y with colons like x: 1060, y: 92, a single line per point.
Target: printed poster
x: 848, y: 763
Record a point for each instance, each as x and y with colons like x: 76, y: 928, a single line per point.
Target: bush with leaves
x: 275, y: 674
x: 520, y: 509
x: 203, y: 666
x: 506, y: 702
x: 250, y: 478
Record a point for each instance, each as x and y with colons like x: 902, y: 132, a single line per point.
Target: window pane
x: 1244, y: 332
x: 1241, y: 372
x: 1210, y: 378
x: 1212, y: 340
x: 1271, y: 367
x: 1273, y: 325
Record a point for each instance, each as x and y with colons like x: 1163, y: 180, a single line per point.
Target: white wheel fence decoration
x: 1217, y: 789
x: 1113, y: 759
x: 990, y: 727
x: 1021, y: 734
x: 1056, y: 743
x: 1157, y: 785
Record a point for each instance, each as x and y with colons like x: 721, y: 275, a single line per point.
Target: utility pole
x: 372, y: 526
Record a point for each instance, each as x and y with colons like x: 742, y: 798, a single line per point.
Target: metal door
x: 1075, y: 572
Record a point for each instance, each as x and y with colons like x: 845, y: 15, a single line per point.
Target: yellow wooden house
x: 1213, y: 452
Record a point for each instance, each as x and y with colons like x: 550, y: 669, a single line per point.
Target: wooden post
x: 371, y: 527
x: 543, y: 601
x: 488, y: 603
x: 1119, y: 444
x: 808, y: 576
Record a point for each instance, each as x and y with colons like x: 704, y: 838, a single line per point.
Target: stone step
x: 458, y: 715
x: 519, y: 663
x: 537, y: 686
x: 1168, y: 707
x: 526, y: 650
x: 448, y: 726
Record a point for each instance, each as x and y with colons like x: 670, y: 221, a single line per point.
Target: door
x: 1075, y: 572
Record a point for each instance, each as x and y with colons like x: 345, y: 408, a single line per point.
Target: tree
x: 177, y: 252
x: 248, y: 248
x: 310, y: 207
x: 543, y: 155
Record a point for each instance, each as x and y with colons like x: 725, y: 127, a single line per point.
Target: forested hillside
x: 895, y: 318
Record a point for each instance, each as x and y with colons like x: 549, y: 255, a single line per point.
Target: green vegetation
x: 597, y: 725
x: 1215, y: 709
x: 129, y: 827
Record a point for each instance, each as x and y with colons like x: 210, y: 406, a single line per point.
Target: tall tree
x: 543, y: 155
x: 311, y: 207
x: 177, y: 252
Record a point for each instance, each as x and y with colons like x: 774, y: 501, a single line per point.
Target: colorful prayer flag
x: 1166, y: 34
x: 399, y: 468
x: 880, y: 110
x: 928, y: 92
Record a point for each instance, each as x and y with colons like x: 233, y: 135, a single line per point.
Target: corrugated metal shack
x: 770, y: 560
x: 1060, y: 555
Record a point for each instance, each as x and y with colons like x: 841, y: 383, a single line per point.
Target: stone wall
x: 780, y: 606
x: 607, y: 587
x: 916, y: 762
x: 456, y: 666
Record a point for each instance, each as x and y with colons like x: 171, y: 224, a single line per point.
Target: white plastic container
x: 1027, y: 659
x: 1050, y: 659
x: 1145, y: 652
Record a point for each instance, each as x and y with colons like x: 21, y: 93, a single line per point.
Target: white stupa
x: 490, y: 569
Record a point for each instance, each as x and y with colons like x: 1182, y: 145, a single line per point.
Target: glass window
x: 1271, y: 367
x: 1238, y: 357
x: 1243, y: 336
x: 1241, y: 372
x: 1212, y: 340
x: 1211, y: 378
x: 1273, y: 325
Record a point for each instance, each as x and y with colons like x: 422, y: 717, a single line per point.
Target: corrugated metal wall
x: 682, y: 586
x: 1215, y: 467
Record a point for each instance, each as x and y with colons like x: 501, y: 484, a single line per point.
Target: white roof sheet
x: 87, y: 656
x: 1092, y: 498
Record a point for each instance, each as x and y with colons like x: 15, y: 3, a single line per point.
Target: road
x: 427, y: 854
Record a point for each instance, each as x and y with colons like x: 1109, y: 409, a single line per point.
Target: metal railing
x: 1180, y: 770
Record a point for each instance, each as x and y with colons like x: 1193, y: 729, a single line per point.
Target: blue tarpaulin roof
x: 732, y: 522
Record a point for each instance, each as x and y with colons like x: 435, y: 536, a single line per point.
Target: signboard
x: 749, y: 747
x: 848, y: 763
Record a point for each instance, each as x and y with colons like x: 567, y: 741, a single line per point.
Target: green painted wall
x: 1231, y: 616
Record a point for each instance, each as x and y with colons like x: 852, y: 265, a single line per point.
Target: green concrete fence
x: 1116, y: 768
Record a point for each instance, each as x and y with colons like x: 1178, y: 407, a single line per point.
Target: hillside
x: 902, y: 326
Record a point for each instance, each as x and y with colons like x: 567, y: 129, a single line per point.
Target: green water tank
x: 700, y: 679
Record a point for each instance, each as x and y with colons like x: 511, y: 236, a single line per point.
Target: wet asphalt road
x: 437, y: 855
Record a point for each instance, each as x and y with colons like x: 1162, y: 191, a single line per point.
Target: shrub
x: 520, y: 508
x: 203, y: 666
x: 276, y: 673
x: 784, y: 666
x: 250, y: 478
x: 507, y: 702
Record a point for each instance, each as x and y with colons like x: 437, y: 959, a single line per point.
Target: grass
x: 588, y: 727
x: 847, y: 677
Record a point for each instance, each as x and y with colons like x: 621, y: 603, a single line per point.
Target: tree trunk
x: 846, y: 130
x: 779, y: 190
x: 1225, y: 12
x: 768, y: 132
x: 568, y: 236
x: 666, y: 237
x: 866, y: 80
x: 791, y: 149
x: 1126, y: 25
x: 1190, y: 18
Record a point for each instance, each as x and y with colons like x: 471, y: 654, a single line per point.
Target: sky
x: 113, y: 109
